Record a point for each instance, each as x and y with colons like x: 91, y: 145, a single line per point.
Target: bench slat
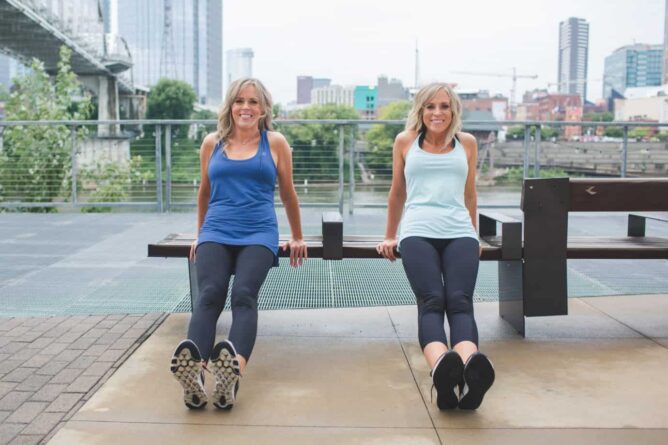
x: 617, y: 248
x: 354, y: 246
x: 618, y: 195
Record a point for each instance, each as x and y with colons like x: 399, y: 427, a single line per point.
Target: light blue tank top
x: 435, y: 194
x: 241, y: 204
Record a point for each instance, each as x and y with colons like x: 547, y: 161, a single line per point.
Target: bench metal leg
x: 545, y: 203
x: 194, y: 289
x: 511, y: 302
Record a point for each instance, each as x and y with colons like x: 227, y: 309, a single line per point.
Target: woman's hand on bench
x: 298, y: 251
x: 193, y: 247
x: 386, y: 248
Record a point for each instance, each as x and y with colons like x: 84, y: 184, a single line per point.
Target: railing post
x: 168, y: 162
x: 158, y: 167
x: 625, y: 150
x: 341, y: 154
x: 73, y: 141
x: 351, y: 182
x: 536, y: 161
x: 527, y: 137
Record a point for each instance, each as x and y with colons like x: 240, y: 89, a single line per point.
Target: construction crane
x: 514, y: 76
x: 167, y: 61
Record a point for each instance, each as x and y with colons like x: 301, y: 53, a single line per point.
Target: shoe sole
x: 187, y: 367
x: 446, y: 377
x: 479, y: 377
x: 225, y: 367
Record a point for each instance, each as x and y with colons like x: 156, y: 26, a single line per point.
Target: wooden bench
x: 533, y: 273
x: 331, y: 245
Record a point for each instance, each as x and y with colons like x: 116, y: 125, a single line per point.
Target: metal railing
x: 336, y: 163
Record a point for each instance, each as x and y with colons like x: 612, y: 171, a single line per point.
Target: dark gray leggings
x: 442, y: 274
x: 215, y: 265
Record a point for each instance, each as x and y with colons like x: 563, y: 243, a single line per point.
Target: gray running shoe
x: 225, y: 367
x: 187, y: 370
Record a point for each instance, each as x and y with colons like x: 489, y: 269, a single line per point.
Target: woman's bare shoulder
x: 275, y: 136
x: 210, y: 139
x: 406, y: 137
x: 209, y: 143
x: 467, y: 138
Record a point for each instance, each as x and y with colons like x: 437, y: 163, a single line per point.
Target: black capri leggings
x: 215, y: 265
x: 442, y: 274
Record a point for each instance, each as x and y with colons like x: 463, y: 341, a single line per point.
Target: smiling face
x: 437, y: 112
x: 246, y: 108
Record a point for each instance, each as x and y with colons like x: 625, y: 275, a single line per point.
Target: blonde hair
x: 225, y: 121
x: 414, y: 121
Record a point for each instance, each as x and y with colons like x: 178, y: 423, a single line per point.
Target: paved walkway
x: 50, y: 366
x: 334, y: 376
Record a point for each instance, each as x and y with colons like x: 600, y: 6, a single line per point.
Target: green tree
x: 380, y: 138
x: 171, y: 99
x: 614, y: 132
x: 640, y: 134
x: 36, y: 161
x: 605, y: 116
x: 277, y: 111
x: 4, y: 94
x: 662, y: 136
x: 315, y: 146
x: 517, y: 133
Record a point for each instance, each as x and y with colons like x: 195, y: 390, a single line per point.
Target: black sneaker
x: 446, y: 374
x: 478, y: 378
x: 187, y: 370
x: 225, y: 367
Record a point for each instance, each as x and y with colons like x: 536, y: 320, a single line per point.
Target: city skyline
x: 355, y: 42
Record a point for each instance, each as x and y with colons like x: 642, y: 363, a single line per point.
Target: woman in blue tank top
x: 433, y: 186
x: 237, y: 234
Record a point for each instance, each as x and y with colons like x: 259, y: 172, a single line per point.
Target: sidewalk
x: 50, y: 366
x: 334, y: 376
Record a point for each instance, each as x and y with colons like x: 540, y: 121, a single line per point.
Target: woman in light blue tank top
x: 237, y: 235
x: 433, y: 198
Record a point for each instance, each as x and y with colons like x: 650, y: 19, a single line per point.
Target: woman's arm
x: 397, y: 196
x: 289, y: 197
x: 470, y: 194
x: 204, y: 192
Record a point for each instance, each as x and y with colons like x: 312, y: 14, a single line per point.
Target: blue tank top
x: 241, y: 206
x: 435, y: 185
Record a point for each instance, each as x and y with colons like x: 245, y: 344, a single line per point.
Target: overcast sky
x: 354, y: 41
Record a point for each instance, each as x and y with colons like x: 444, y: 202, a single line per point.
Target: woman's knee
x: 431, y: 302
x: 212, y: 295
x: 244, y: 297
x: 459, y: 302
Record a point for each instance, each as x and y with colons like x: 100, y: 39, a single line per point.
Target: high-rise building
x: 10, y: 68
x: 665, y: 44
x: 573, y: 56
x: 82, y: 19
x: 365, y: 101
x: 636, y: 65
x: 5, y: 71
x: 390, y: 91
x: 333, y: 94
x: 305, y: 84
x: 239, y: 63
x: 177, y: 39
x: 304, y: 87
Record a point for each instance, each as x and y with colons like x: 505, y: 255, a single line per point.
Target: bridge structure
x: 103, y: 62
